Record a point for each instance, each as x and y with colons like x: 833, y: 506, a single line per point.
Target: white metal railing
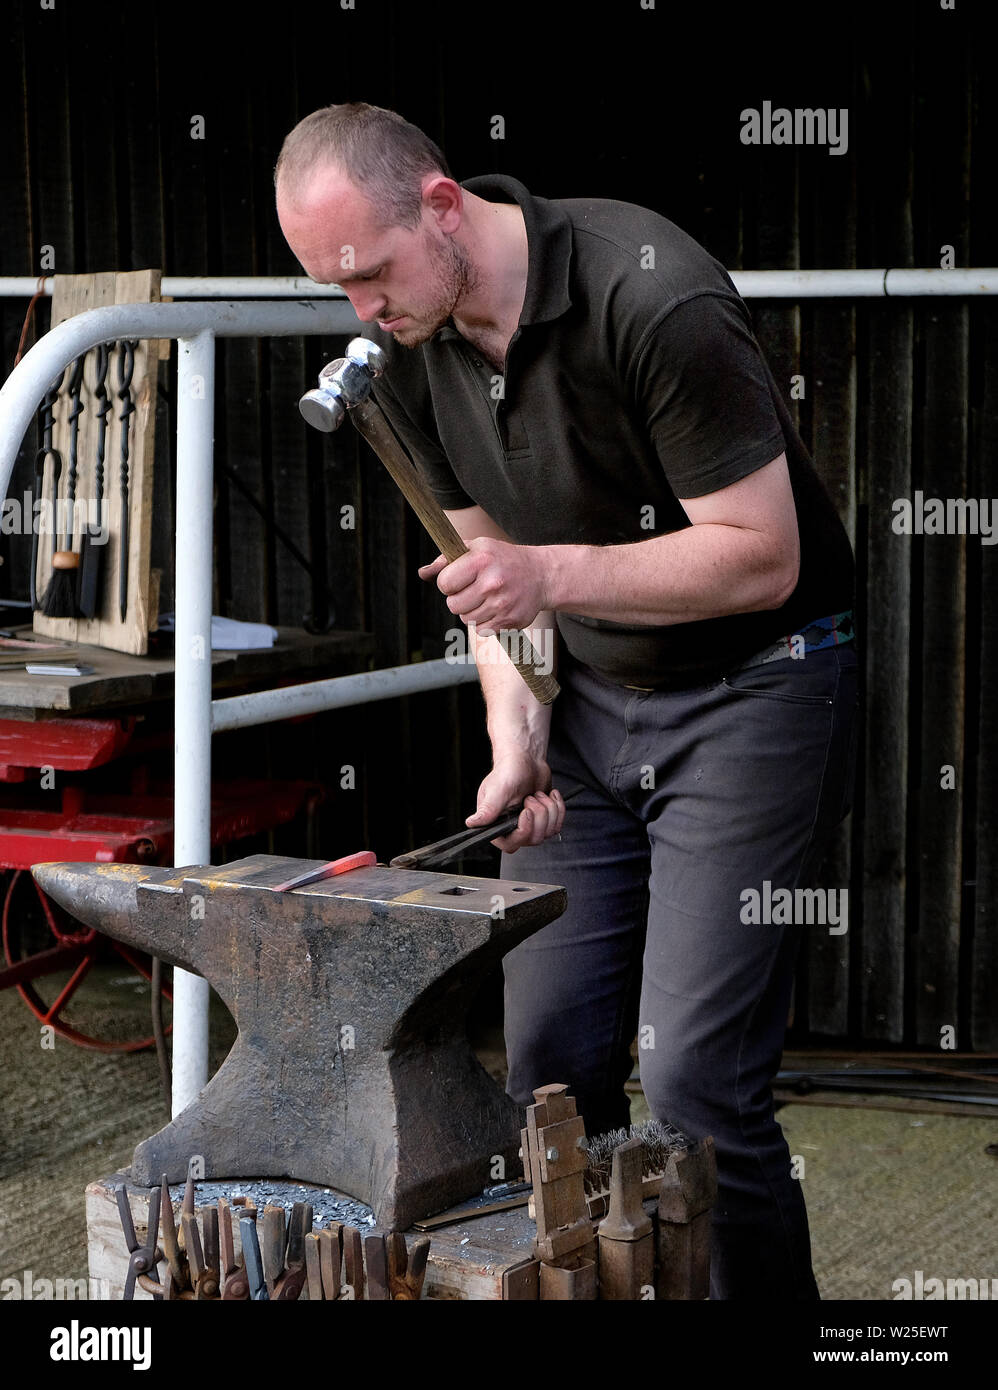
x: 196, y: 327
x: 894, y: 282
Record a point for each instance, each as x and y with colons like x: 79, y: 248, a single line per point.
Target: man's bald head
x: 385, y: 156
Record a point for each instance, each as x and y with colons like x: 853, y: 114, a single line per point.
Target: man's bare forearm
x: 517, y: 722
x: 705, y: 571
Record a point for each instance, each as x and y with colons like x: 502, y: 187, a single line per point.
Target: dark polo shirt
x: 633, y: 379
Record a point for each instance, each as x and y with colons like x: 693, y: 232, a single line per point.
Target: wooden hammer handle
x: 371, y: 423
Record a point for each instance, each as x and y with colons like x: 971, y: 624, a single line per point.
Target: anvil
x: 352, y: 1068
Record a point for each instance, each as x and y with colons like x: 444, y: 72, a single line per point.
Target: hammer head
x: 343, y: 383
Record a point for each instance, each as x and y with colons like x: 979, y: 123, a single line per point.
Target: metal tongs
x: 443, y: 851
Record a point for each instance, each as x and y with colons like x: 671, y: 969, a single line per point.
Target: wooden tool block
x: 74, y: 294
x: 554, y: 1158
x: 626, y: 1246
x: 689, y: 1191
x: 684, y: 1259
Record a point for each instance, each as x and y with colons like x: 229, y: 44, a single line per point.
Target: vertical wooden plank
x: 75, y: 295
x: 721, y: 218
x: 385, y: 537
x: 983, y: 947
x: 18, y: 256
x: 331, y: 477
x: 240, y: 530
x: 437, y: 744
x: 943, y: 155
x: 342, y: 511
x: 831, y: 389
x: 93, y: 52
x: 54, y: 210
x: 18, y: 251
x: 53, y: 186
x: 190, y: 87
x: 886, y: 395
x: 770, y: 185
x: 140, y: 153
x: 289, y: 481
x: 773, y: 208
x: 186, y: 83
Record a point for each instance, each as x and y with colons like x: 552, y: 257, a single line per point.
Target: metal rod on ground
x: 159, y: 1033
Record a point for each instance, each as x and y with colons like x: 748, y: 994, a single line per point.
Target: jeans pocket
x: 789, y: 682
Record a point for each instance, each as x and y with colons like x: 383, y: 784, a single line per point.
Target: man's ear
x: 445, y: 201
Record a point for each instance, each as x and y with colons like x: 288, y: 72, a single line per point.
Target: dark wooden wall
x: 637, y: 103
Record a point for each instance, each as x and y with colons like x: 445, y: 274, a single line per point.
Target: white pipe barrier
x: 864, y: 284
x: 290, y: 701
x: 192, y: 680
x: 195, y: 326
x: 200, y: 287
x: 750, y: 284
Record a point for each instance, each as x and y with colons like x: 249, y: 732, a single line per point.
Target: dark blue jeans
x: 689, y: 800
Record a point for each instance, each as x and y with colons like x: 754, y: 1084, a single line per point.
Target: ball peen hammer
x: 345, y: 385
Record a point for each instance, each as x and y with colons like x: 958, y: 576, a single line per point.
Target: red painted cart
x: 134, y: 828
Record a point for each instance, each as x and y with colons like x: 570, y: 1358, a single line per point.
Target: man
x: 579, y: 382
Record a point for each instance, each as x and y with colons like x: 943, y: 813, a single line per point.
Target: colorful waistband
x: 823, y: 632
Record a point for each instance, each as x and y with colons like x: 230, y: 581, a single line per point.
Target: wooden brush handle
x: 371, y: 423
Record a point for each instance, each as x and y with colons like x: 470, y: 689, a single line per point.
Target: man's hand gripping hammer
x: 345, y: 385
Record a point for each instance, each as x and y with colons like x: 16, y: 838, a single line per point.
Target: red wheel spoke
x: 62, y: 926
x: 71, y: 986
x: 44, y: 963
x: 77, y: 947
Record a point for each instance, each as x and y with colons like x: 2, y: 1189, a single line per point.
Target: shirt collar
x: 549, y: 248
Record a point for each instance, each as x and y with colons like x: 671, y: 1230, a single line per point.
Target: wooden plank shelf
x: 122, y: 681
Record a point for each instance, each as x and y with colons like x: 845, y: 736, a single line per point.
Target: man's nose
x: 367, y: 304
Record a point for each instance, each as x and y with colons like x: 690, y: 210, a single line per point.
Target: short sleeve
x: 704, y: 390
x: 425, y: 449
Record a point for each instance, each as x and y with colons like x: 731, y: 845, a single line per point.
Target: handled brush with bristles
x: 59, y: 600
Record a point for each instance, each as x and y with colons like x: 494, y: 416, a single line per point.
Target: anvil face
x: 352, y: 1067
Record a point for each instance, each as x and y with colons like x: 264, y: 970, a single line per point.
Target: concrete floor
x: 888, y: 1192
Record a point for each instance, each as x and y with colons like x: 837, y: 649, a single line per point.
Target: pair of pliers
x: 236, y: 1280
x: 288, y: 1285
x: 202, y: 1259
x: 141, y: 1258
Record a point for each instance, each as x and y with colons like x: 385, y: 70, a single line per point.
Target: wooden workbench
x: 121, y: 682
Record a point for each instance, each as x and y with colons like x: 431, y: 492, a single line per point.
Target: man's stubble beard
x: 455, y: 277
